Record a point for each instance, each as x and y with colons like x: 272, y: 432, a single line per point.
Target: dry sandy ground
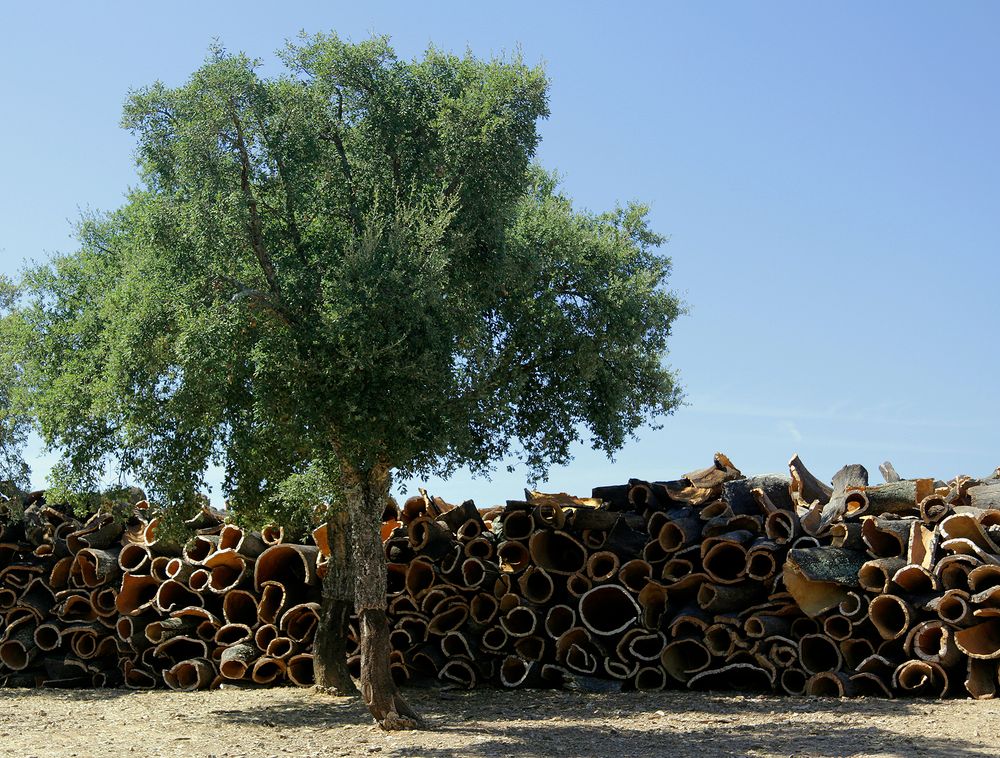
x: 283, y: 722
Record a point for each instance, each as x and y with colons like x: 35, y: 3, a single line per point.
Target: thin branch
x: 293, y: 227
x: 345, y: 166
x: 282, y: 171
x: 256, y: 233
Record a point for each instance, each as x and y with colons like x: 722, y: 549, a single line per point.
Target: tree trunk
x: 330, y: 646
x: 366, y: 495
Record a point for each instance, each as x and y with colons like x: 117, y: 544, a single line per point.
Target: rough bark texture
x: 806, y: 484
x: 895, y: 497
x: 889, y: 473
x: 819, y: 578
x: 366, y: 494
x: 739, y: 493
x: 850, y: 476
x: 330, y: 648
x: 985, y: 495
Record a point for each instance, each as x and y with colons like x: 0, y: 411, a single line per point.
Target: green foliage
x: 83, y: 499
x: 299, y: 502
x: 14, y: 471
x: 11, y: 511
x: 353, y: 263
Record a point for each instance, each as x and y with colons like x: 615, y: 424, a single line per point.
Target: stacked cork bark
x: 776, y: 583
x: 107, y: 603
x: 715, y: 580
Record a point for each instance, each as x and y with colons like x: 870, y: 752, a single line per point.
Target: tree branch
x: 345, y: 166
x: 282, y: 171
x: 293, y: 227
x: 256, y: 232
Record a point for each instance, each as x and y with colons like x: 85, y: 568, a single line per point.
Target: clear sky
x: 827, y: 173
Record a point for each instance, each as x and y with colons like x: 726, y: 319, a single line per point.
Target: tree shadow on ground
x: 74, y: 694
x: 671, y: 723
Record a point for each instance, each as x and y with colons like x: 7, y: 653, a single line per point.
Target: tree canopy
x: 353, y: 262
x: 345, y: 270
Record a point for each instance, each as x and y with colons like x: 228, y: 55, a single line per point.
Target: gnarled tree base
x: 330, y: 670
x: 330, y: 652
x: 386, y: 703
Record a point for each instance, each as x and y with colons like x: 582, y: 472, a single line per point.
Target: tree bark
x: 330, y: 646
x: 366, y: 494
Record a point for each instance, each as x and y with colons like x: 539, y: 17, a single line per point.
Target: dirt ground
x: 292, y: 722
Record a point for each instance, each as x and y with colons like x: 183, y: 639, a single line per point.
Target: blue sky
x: 826, y: 172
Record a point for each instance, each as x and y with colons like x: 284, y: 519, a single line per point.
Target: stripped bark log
x: 819, y: 653
x: 981, y: 641
x: 920, y: 678
x: 830, y: 684
x: 981, y: 679
x: 891, y: 615
x: 190, y: 675
x: 820, y: 578
x: 684, y: 658
x: 850, y: 477
x: 805, y: 485
x: 300, y: 669
x: 902, y: 497
x: 557, y: 552
x: 985, y: 495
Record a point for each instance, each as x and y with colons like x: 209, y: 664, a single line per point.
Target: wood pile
x: 776, y: 583
x: 107, y: 603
